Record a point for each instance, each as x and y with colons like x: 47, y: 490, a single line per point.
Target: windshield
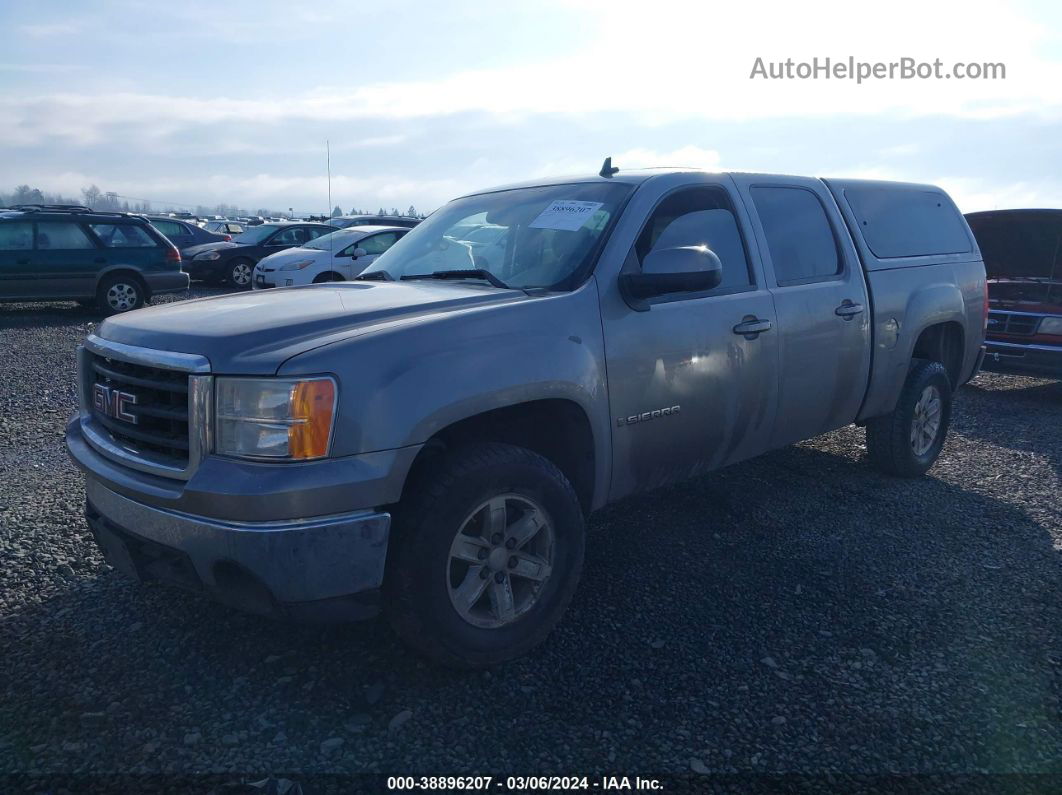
x: 526, y: 237
x: 334, y: 241
x: 256, y: 234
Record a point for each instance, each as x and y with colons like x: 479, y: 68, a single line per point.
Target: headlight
x: 208, y: 255
x: 274, y: 418
x: 1051, y: 325
x: 296, y: 266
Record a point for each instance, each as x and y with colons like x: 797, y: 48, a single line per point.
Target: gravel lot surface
x: 799, y: 613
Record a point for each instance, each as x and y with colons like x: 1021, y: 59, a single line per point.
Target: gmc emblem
x: 113, y: 402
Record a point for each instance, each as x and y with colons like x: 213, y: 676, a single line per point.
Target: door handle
x: 100, y: 260
x: 22, y: 262
x: 848, y: 310
x: 751, y: 327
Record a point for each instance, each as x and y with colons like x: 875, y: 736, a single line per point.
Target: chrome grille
x: 1013, y: 322
x: 162, y: 422
x: 160, y: 409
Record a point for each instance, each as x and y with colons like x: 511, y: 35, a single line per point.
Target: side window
x: 62, y: 235
x: 377, y: 244
x: 904, y: 222
x: 168, y: 228
x: 16, y: 237
x: 289, y: 237
x: 798, y: 234
x: 699, y: 217
x: 314, y: 232
x: 123, y: 236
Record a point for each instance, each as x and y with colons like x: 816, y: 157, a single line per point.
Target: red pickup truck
x: 1022, y: 250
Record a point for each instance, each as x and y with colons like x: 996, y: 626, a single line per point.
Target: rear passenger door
x: 820, y: 299
x: 177, y: 233
x: 66, y: 261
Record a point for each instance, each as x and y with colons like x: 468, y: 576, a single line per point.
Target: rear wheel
x: 485, y: 556
x: 907, y: 441
x: 240, y: 273
x: 120, y: 293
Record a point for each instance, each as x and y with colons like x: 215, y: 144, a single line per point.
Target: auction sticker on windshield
x: 566, y: 215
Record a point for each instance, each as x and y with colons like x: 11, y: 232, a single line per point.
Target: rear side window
x: 799, y: 236
x: 899, y: 222
x: 16, y: 237
x: 123, y: 236
x: 699, y: 217
x: 169, y: 228
x: 61, y: 235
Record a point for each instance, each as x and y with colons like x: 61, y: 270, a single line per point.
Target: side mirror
x: 358, y: 252
x: 682, y: 269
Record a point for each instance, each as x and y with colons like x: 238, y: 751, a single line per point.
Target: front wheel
x: 485, y: 557
x: 907, y: 442
x: 240, y: 274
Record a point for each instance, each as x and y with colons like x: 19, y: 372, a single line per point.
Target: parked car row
x: 1022, y: 250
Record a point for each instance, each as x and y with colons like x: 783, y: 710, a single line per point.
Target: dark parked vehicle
x: 234, y: 262
x: 185, y: 234
x: 228, y: 228
x: 344, y: 221
x: 61, y: 252
x: 1022, y: 250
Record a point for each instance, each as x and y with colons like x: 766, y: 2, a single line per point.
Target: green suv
x: 115, y: 261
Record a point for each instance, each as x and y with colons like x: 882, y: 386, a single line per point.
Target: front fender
x: 401, y: 385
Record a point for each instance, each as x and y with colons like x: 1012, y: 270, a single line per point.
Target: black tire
x: 889, y: 438
x: 119, y: 293
x: 420, y: 567
x: 240, y: 273
x: 327, y: 276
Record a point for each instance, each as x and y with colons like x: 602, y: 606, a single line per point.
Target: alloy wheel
x: 926, y: 421
x: 121, y: 297
x: 500, y: 560
x: 241, y: 274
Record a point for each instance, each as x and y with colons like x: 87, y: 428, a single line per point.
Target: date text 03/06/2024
x: 523, y: 783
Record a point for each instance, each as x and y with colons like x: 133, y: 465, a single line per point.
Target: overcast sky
x: 204, y: 102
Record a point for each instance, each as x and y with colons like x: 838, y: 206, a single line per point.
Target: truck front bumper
x: 1020, y: 359
x: 326, y: 568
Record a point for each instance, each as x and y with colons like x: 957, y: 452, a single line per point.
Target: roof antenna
x: 607, y: 169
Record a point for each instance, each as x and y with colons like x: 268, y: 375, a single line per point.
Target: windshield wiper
x: 471, y: 273
x: 375, y: 276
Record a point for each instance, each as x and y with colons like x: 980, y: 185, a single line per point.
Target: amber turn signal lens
x: 312, y: 405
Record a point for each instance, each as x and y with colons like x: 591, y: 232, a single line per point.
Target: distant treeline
x: 100, y: 200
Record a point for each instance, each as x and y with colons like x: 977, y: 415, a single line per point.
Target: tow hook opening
x: 239, y: 588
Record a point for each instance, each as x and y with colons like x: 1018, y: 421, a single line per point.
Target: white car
x: 336, y: 257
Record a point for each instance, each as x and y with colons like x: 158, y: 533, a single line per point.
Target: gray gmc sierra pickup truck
x: 431, y: 437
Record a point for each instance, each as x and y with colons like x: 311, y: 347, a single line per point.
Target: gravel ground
x: 797, y: 614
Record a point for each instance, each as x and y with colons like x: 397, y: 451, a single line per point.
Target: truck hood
x: 1026, y: 294
x: 254, y: 333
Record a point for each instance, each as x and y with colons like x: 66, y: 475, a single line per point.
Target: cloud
x: 41, y: 68
x: 47, y: 29
x: 699, y: 70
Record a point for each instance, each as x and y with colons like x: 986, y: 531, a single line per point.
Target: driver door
x: 692, y: 386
